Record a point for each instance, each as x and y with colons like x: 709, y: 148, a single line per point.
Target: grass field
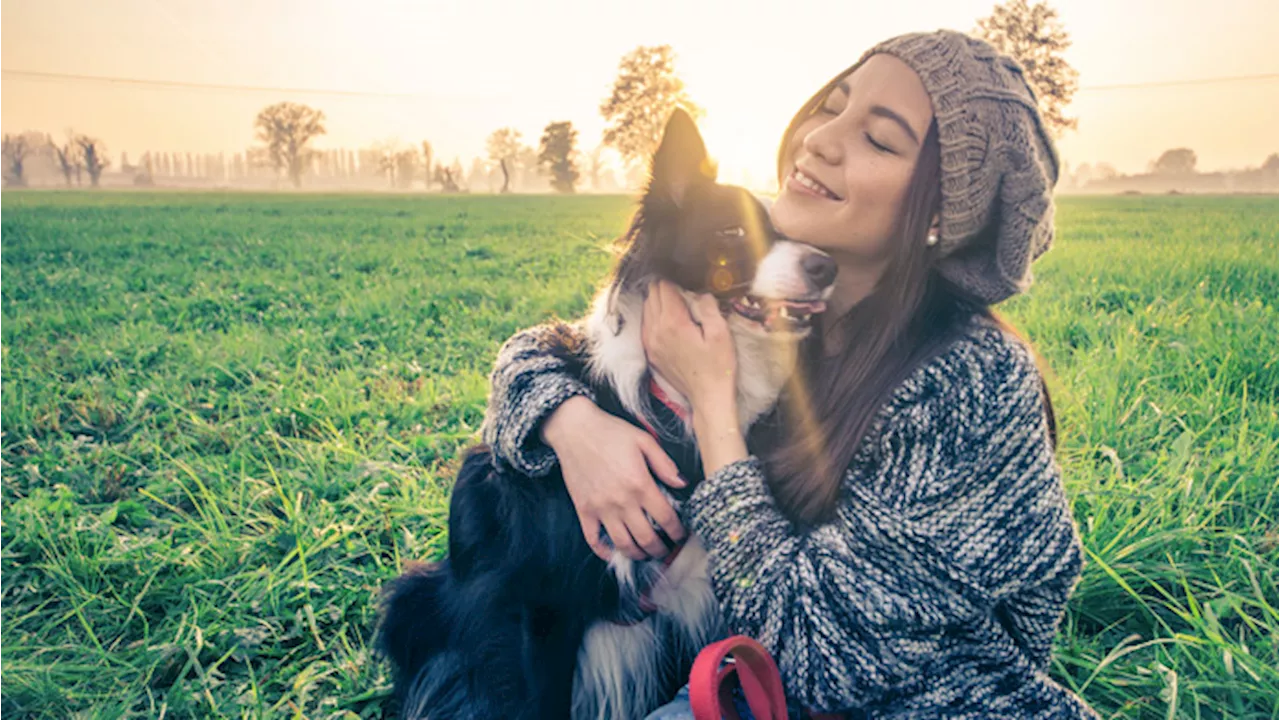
x: 228, y: 419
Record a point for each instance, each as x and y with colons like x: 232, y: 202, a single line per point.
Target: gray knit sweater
x: 938, y: 588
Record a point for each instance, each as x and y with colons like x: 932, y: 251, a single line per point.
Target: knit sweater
x: 938, y: 587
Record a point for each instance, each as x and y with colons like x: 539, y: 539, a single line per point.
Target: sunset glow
x: 451, y: 73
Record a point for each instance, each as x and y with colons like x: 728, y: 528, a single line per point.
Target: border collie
x: 521, y: 619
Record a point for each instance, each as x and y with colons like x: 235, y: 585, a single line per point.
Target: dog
x: 522, y: 619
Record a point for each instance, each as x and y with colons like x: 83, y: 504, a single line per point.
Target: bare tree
x: 68, y: 156
x: 644, y: 94
x: 93, y: 153
x: 445, y: 178
x: 286, y: 129
x: 1033, y: 35
x: 16, y: 149
x: 385, y: 152
x: 503, y: 146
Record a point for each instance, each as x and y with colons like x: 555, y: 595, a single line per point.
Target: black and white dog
x: 521, y: 619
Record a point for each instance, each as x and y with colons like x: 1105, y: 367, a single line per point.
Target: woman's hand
x: 697, y: 359
x: 609, y: 467
x: 699, y: 362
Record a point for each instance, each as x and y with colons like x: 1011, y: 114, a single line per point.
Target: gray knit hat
x: 999, y: 165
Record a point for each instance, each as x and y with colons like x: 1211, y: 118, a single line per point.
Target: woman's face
x: 852, y: 161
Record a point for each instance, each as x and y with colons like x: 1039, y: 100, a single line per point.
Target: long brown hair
x: 911, y: 315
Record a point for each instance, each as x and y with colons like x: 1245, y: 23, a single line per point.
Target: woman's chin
x: 791, y: 219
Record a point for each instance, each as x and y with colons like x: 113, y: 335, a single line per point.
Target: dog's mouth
x: 778, y: 314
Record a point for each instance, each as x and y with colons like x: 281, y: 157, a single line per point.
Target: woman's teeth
x: 813, y: 185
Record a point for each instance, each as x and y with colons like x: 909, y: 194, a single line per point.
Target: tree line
x: 645, y: 91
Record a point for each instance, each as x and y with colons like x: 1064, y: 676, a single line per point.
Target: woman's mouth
x: 809, y: 185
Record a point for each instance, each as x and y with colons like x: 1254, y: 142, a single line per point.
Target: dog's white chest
x: 621, y: 668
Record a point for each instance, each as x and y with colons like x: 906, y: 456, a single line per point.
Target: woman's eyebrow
x: 884, y: 112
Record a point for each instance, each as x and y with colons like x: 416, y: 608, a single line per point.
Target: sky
x: 456, y: 71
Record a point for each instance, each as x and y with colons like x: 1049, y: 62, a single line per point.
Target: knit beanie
x: 999, y: 164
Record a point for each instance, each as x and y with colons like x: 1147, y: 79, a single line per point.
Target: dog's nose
x: 821, y: 269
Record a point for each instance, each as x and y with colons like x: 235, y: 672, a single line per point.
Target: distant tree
x: 1179, y: 161
x: 1082, y: 175
x: 555, y: 152
x: 16, y: 149
x: 94, y: 157
x: 145, y: 175
x: 1105, y: 171
x: 503, y: 146
x: 286, y: 129
x: 406, y: 167
x: 1271, y: 165
x: 445, y: 178
x: 427, y: 156
x: 1033, y: 35
x: 644, y: 94
x: 456, y: 172
x: 478, y: 174
x: 594, y: 162
x: 67, y: 155
x: 527, y: 166
x: 384, y: 154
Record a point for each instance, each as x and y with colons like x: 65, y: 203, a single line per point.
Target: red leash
x: 711, y: 693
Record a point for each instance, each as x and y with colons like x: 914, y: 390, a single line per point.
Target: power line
x: 1171, y: 83
x: 180, y: 84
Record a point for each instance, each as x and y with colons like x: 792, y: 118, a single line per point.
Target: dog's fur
x: 522, y: 620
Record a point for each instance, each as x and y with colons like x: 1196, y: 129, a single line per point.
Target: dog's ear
x: 681, y: 159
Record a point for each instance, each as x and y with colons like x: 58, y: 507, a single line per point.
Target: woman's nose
x: 823, y: 143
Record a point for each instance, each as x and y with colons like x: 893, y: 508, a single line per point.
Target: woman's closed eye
x: 879, y: 146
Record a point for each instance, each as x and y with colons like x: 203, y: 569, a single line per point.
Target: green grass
x: 228, y: 419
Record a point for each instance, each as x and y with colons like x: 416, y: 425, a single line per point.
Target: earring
x: 932, y: 239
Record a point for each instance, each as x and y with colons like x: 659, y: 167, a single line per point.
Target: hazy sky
x: 472, y: 66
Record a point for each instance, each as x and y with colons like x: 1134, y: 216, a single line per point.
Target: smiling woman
x: 897, y: 534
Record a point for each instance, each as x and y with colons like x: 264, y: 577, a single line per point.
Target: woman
x: 899, y: 541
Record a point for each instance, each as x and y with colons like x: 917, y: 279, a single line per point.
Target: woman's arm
x: 950, y: 518
x: 541, y: 413
x: 531, y: 378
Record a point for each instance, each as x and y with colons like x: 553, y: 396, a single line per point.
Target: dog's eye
x: 732, y: 232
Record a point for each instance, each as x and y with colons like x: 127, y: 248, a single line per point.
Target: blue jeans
x: 679, y: 708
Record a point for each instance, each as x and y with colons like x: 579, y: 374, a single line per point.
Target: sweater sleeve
x: 532, y: 375
x: 941, y: 580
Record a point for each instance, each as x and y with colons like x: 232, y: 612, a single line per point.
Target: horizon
x: 1196, y: 77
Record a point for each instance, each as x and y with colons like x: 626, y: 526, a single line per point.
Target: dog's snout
x: 820, y: 268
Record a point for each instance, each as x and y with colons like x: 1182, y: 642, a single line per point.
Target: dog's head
x: 712, y: 238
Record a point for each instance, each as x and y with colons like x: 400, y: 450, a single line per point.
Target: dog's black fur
x: 494, y: 630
